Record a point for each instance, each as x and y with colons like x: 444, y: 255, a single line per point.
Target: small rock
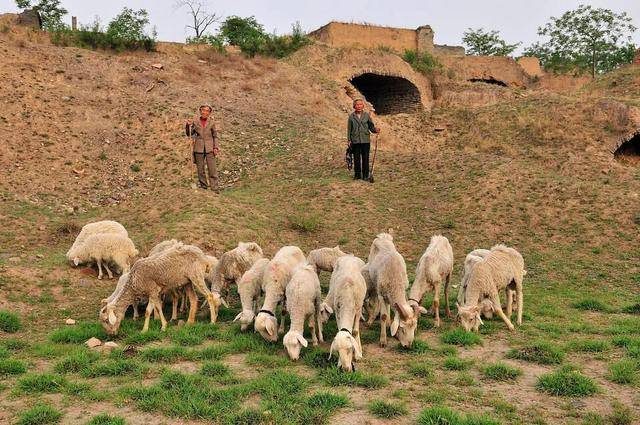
x: 202, y: 61
x: 439, y: 128
x: 66, y: 98
x: 93, y: 342
x: 14, y: 260
x: 42, y: 227
x: 157, y: 66
x: 70, y: 322
x: 110, y: 345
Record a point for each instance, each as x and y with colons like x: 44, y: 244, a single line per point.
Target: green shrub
x: 624, y: 371
x: 538, y: 352
x: 304, y: 223
x: 459, y: 336
x: 215, y: 41
x: 41, y: 414
x: 501, y: 372
x: 439, y: 416
x: 422, y: 62
x: 566, y: 382
x: 9, y: 322
x: 387, y: 410
x: 105, y: 419
x: 12, y: 367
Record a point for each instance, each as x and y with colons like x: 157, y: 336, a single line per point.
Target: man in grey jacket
x: 204, y: 134
x: 359, y: 128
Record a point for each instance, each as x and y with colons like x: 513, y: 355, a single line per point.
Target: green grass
x: 538, y: 352
x: 9, y: 322
x: 4, y: 353
x: 632, y: 309
x: 34, y: 383
x: 459, y: 336
x: 333, y: 376
x: 140, y: 338
x: 501, y: 372
x: 76, y: 362
x: 591, y: 305
x: 85, y: 391
x: 386, y: 410
x: 318, y: 358
x: 454, y: 363
x: 566, y: 382
x: 105, y: 419
x: 624, y: 371
x: 590, y: 346
x: 194, y: 334
x: 421, y: 370
x: 446, y: 416
x: 326, y: 401
x: 165, y: 354
x: 268, y: 361
x: 14, y: 344
x: 417, y: 347
x: 12, y: 367
x: 77, y: 334
x: 41, y: 414
x: 111, y: 367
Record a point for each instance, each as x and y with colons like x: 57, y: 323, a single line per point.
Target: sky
x: 516, y: 20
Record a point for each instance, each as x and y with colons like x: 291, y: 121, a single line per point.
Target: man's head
x: 358, y: 105
x: 205, y: 111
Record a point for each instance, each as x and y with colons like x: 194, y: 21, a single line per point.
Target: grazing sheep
x: 150, y: 277
x: 503, y: 268
x: 371, y: 303
x: 104, y: 248
x: 249, y: 288
x: 434, y: 267
x: 475, y: 256
x: 324, y: 258
x: 275, y: 278
x: 232, y: 265
x: 347, y: 290
x: 121, y: 282
x: 389, y: 273
x: 303, y: 302
x: 163, y: 246
x: 106, y: 226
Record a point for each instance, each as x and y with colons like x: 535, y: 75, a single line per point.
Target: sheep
x: 104, y: 248
x: 232, y: 265
x: 275, y: 278
x: 121, y: 282
x: 249, y: 288
x: 434, y: 267
x: 371, y: 303
x: 504, y: 269
x: 303, y: 301
x: 163, y: 246
x: 347, y: 290
x: 324, y: 258
x: 388, y: 271
x: 150, y: 277
x: 475, y: 256
x: 106, y: 226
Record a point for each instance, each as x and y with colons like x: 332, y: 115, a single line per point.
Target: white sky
x: 517, y: 20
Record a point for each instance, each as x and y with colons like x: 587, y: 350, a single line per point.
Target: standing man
x: 204, y: 134
x: 359, y: 128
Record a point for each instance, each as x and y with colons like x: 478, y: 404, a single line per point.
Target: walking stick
x: 191, y: 157
x: 373, y: 162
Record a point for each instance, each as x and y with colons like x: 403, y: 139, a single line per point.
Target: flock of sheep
x: 290, y: 280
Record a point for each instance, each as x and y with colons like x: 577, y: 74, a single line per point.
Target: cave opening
x: 388, y: 94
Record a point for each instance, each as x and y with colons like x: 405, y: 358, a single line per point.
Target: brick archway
x: 387, y: 93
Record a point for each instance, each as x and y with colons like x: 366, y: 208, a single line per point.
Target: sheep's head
x: 469, y: 317
x: 267, y: 326
x: 110, y: 319
x: 486, y: 308
x: 325, y: 312
x: 216, y: 301
x: 245, y: 317
x: 293, y: 342
x: 404, y: 324
x: 251, y: 251
x: 348, y: 350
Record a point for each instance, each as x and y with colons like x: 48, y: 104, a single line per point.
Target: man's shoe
x: 202, y: 186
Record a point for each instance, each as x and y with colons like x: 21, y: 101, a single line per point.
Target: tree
x: 129, y: 25
x: 246, y: 33
x: 597, y: 40
x: 487, y: 43
x: 50, y: 12
x: 202, y: 19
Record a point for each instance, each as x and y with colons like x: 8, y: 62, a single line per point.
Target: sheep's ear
x: 423, y: 310
x: 270, y: 327
x: 337, y: 246
x: 76, y: 261
x: 238, y: 317
x: 333, y: 346
x: 395, y: 325
x: 254, y: 247
x: 356, y: 348
x: 302, y: 341
x: 112, y: 317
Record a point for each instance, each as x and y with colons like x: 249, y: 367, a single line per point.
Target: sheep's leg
x: 183, y: 302
x: 495, y: 299
x: 519, y: 300
x: 507, y: 293
x: 106, y: 266
x: 446, y: 297
x: 199, y: 284
x: 135, y: 310
x: 155, y: 299
x: 318, y: 321
x: 147, y: 316
x: 436, y: 305
x: 174, y: 305
x: 312, y: 328
x: 99, y: 269
x: 356, y: 329
x: 283, y: 314
x: 384, y: 317
x: 193, y: 304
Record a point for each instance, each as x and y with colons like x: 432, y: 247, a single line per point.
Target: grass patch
x: 105, y: 419
x: 418, y: 347
x: 194, y: 334
x: 268, y: 361
x: 84, y: 391
x: 624, y: 371
x: 538, y: 352
x: 9, y: 322
x: 326, y: 401
x: 501, y: 372
x: 76, y: 362
x: 12, y: 367
x: 386, y: 410
x: 421, y: 370
x: 77, y: 334
x: 165, y: 354
x: 35, y: 383
x: 591, y: 305
x: 14, y: 344
x: 140, y: 338
x: 566, y: 382
x: 304, y: 223
x: 446, y: 416
x: 41, y: 414
x: 454, y: 363
x: 333, y: 376
x: 112, y: 367
x: 590, y: 346
x: 459, y: 336
x: 317, y: 358
x: 632, y: 309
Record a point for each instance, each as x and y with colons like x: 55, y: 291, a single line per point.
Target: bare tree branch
x: 202, y: 19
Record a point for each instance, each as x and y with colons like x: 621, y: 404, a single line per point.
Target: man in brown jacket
x: 204, y: 134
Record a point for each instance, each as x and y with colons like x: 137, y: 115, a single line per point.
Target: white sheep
x: 103, y: 248
x: 303, y: 302
x: 347, y: 290
x: 502, y: 269
x: 250, y: 288
x: 371, y: 304
x: 231, y: 266
x: 105, y: 226
x: 163, y: 246
x: 150, y: 277
x: 275, y: 278
x: 434, y: 268
x: 472, y: 258
x: 388, y: 271
x: 324, y: 258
